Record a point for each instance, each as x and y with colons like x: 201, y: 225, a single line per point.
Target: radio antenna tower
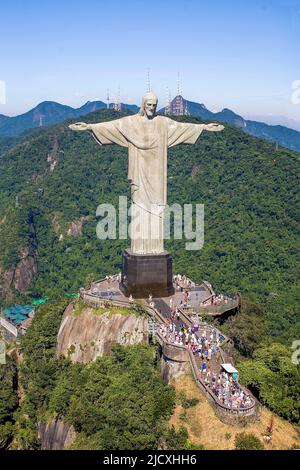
x: 119, y: 100
x: 168, y: 101
x: 180, y: 105
x: 107, y: 99
x: 178, y: 84
x: 117, y: 105
x: 148, y: 85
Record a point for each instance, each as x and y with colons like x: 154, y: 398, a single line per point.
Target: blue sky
x: 238, y: 54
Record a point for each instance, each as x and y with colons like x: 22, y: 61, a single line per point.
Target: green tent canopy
x: 40, y: 301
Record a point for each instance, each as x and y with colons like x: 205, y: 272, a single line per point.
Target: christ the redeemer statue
x: 147, y: 137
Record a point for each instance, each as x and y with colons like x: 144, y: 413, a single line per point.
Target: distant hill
x: 274, y: 120
x: 132, y: 107
x: 48, y: 113
x: 44, y: 114
x: 3, y: 119
x: 281, y: 135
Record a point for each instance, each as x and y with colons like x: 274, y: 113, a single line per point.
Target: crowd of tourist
x: 204, y: 345
x: 219, y: 299
x: 204, y: 342
x: 182, y: 282
x: 114, y: 277
x: 227, y: 390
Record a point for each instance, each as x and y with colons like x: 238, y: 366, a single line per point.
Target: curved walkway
x: 160, y: 313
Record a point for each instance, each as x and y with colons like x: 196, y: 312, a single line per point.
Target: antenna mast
x: 178, y: 84
x: 179, y: 105
x: 168, y: 101
x: 107, y: 99
x: 148, y: 83
x: 117, y: 105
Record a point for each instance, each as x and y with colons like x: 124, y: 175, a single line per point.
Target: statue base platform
x: 147, y: 274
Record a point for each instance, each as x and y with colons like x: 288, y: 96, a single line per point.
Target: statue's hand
x: 214, y: 127
x: 79, y: 126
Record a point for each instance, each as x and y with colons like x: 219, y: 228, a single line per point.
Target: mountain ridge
x: 50, y: 112
x: 281, y: 135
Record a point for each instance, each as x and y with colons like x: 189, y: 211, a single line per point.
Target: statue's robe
x: 147, y: 141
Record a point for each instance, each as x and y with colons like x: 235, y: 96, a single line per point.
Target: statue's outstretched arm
x: 213, y: 127
x: 80, y: 126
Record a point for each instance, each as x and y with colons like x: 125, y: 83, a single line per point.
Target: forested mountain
x: 50, y: 112
x: 3, y: 119
x: 7, y: 142
x: 280, y: 135
x: 53, y: 180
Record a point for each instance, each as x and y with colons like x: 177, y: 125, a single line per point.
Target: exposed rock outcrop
x: 6, y: 280
x: 25, y: 271
x: 75, y: 229
x: 19, y: 276
x: 195, y: 170
x: 56, y: 435
x: 52, y: 157
x: 87, y: 335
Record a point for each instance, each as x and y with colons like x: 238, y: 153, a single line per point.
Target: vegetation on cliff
x: 8, y: 401
x: 115, y: 402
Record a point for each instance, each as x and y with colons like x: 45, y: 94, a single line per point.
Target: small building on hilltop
x: 15, y: 320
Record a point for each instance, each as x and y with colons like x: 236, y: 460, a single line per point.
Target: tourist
x: 209, y: 352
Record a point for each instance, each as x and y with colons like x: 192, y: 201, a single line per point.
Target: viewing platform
x: 182, y: 312
x: 189, y: 297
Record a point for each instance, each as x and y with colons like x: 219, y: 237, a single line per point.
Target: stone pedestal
x: 145, y: 274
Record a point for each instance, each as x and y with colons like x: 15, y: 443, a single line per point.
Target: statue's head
x: 149, y: 104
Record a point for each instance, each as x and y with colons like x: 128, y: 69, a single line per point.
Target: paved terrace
x: 200, y: 297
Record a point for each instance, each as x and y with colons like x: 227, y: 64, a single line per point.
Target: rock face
x: 83, y: 337
x: 6, y: 279
x: 25, y: 271
x: 75, y: 229
x: 88, y: 335
x: 195, y: 170
x: 52, y: 157
x: 20, y: 276
x: 56, y: 435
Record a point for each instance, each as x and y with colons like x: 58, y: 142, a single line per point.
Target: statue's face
x: 150, y: 108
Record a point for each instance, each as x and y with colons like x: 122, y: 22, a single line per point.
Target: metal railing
x: 154, y: 313
x: 197, y: 375
x: 219, y: 309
